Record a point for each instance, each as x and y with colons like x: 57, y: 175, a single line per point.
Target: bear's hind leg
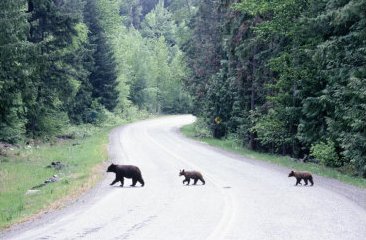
x: 122, y: 182
x: 134, y: 181
x: 306, y: 181
x: 203, y: 181
x: 195, y: 181
x: 141, y: 181
x: 311, y: 181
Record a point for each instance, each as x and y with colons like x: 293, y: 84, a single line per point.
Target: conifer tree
x: 55, y: 26
x: 293, y: 72
x: 14, y: 68
x: 103, y: 76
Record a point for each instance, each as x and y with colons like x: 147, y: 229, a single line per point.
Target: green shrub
x: 326, y: 153
x: 201, y: 129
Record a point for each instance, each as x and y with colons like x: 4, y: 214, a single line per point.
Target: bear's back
x: 193, y: 174
x: 303, y: 174
x: 128, y: 171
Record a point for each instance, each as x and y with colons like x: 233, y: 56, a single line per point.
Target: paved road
x: 241, y: 199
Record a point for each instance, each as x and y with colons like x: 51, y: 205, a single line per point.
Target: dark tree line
x: 286, y: 76
x: 281, y: 76
x: 76, y: 61
x: 56, y: 67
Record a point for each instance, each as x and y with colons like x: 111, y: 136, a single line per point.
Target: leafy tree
x: 342, y: 62
x: 159, y: 23
x: 153, y: 69
x: 326, y: 153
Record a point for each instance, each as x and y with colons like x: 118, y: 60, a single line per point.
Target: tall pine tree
x: 103, y: 77
x: 14, y: 68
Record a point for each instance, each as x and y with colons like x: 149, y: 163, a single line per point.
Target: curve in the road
x: 242, y: 199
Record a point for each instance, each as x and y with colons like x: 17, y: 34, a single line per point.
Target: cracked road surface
x: 242, y: 199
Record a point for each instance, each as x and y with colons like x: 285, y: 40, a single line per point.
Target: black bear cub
x: 191, y: 174
x: 126, y: 171
x: 306, y: 176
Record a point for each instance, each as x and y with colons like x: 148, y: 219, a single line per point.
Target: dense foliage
x: 43, y: 65
x: 74, y: 61
x: 284, y: 76
x: 149, y: 49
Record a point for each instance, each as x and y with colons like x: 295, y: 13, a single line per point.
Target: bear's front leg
x: 115, y: 180
x: 298, y: 181
x: 188, y: 180
x: 203, y: 181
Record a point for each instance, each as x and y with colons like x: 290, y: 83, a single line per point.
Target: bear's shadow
x: 197, y: 185
x: 128, y: 187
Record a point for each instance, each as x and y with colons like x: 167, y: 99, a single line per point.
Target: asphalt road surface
x: 242, y: 199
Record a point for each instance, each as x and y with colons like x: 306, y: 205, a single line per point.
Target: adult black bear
x: 306, y: 176
x: 191, y: 174
x: 126, y: 171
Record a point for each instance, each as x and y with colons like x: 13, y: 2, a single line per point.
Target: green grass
x: 85, y: 158
x: 233, y: 146
x: 24, y: 168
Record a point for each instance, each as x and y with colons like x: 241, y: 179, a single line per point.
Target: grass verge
x: 233, y: 146
x: 25, y: 167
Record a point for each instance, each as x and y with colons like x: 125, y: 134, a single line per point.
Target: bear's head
x: 181, y: 172
x: 292, y: 173
x: 111, y: 168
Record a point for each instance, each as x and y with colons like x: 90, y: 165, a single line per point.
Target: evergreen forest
x: 280, y: 76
